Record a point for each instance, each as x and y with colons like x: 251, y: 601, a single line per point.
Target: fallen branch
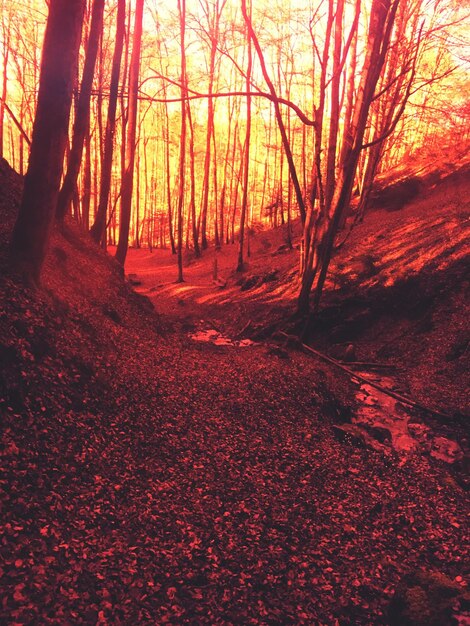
x: 353, y: 374
x: 245, y: 328
x: 16, y: 122
x: 384, y: 366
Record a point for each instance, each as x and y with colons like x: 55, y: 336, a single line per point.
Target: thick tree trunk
x: 37, y: 209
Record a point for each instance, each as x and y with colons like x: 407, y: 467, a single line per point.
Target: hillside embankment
x: 151, y: 478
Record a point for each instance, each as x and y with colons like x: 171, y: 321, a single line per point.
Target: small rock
x: 343, y: 352
x: 404, y: 443
x: 419, y: 431
x: 446, y: 450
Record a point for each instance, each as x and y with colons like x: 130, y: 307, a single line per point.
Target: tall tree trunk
x: 128, y: 177
x: 213, y: 32
x: 82, y: 114
x: 98, y: 229
x: 217, y: 238
x: 168, y: 180
x: 192, y: 173
x: 277, y: 110
x: 6, y: 51
x: 334, y: 105
x: 32, y: 230
x: 182, y: 159
x: 381, y: 23
x: 246, y: 157
x: 86, y: 187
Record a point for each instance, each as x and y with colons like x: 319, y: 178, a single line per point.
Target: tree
x: 82, y: 115
x: 129, y: 156
x: 323, y: 230
x: 32, y: 230
x: 6, y: 35
x: 182, y: 157
x: 213, y: 31
x: 97, y: 231
x: 246, y: 153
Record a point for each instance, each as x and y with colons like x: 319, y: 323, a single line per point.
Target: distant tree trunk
x: 137, y: 198
x: 277, y: 109
x: 207, y: 158
x: 213, y: 33
x: 6, y: 51
x: 36, y: 214
x: 192, y: 174
x: 182, y: 160
x: 334, y: 105
x: 86, y: 188
x: 128, y: 178
x: 246, y: 167
x: 216, y: 192
x: 98, y: 229
x: 233, y: 188
x: 82, y: 114
x: 168, y: 179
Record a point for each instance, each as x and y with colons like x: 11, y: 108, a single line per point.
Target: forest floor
x: 149, y: 477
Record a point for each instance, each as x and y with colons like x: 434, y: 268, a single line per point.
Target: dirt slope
x: 150, y: 479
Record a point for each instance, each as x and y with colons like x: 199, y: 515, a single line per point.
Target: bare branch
x: 196, y: 95
x: 16, y: 122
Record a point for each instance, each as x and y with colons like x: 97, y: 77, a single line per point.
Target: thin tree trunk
x: 98, y: 229
x: 82, y: 114
x: 6, y: 52
x: 246, y: 169
x: 182, y: 160
x: 192, y: 173
x: 128, y: 178
x: 334, y: 106
x: 86, y: 187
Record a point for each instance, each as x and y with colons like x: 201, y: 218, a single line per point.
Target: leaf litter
x: 149, y: 479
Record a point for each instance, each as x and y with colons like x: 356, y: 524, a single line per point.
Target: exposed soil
x: 152, y: 478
